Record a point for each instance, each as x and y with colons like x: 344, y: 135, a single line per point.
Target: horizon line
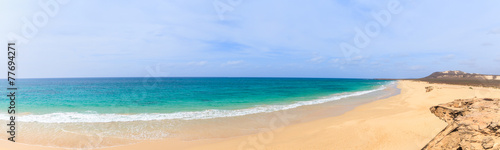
x: 214, y: 77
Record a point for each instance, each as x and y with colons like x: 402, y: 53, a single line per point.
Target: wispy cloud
x: 317, y: 59
x: 197, y: 63
x: 417, y: 67
x: 469, y: 62
x: 123, y: 38
x: 487, y: 44
x: 448, y: 57
x: 236, y: 62
x: 495, y: 31
x: 497, y: 59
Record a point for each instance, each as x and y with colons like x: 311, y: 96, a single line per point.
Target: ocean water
x: 70, y: 100
x: 102, y: 112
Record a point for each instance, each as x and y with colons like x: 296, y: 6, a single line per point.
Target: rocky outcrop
x: 429, y: 88
x: 472, y: 124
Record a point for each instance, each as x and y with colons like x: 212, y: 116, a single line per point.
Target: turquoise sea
x: 142, y: 99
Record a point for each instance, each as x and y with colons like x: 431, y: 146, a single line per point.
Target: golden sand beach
x: 399, y: 122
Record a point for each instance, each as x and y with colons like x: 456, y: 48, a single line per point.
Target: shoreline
x: 68, y: 135
x: 401, y: 121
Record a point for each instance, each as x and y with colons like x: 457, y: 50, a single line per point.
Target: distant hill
x: 461, y: 75
x: 463, y: 78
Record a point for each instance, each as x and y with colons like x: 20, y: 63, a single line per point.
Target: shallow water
x: 279, y: 102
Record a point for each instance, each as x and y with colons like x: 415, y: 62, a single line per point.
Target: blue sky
x: 255, y: 38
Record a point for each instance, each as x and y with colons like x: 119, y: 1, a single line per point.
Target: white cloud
x: 448, y: 57
x: 197, y: 63
x: 416, y: 67
x: 317, y: 59
x: 335, y: 60
x: 494, y: 31
x: 236, y: 62
x: 469, y: 62
x: 487, y: 44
